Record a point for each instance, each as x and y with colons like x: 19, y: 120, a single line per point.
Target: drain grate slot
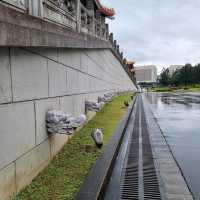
x: 140, y: 151
x: 150, y: 181
x: 130, y: 189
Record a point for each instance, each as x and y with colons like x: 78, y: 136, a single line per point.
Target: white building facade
x: 173, y: 68
x: 146, y: 73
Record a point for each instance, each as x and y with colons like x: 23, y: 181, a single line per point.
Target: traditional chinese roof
x: 130, y: 62
x: 109, y: 12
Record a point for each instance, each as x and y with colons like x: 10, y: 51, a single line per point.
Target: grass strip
x: 63, y: 177
x: 188, y: 88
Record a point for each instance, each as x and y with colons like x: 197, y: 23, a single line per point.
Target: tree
x: 186, y: 74
x: 165, y: 77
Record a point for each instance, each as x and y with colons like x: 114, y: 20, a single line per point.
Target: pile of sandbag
x: 107, y: 97
x: 94, y: 106
x: 60, y: 122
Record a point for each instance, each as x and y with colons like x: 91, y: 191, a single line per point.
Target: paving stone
x: 173, y: 183
x: 178, y: 197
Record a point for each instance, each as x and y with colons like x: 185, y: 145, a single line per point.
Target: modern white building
x: 173, y: 68
x: 146, y: 73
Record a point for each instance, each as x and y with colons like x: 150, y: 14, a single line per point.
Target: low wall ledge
x: 19, y: 29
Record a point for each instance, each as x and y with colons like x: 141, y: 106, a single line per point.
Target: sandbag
x: 59, y: 122
x: 97, y: 136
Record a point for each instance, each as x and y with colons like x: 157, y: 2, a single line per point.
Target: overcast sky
x: 160, y: 32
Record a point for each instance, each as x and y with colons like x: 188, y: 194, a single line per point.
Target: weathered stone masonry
x: 46, y: 66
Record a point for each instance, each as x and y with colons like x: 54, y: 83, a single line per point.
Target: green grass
x: 62, y: 179
x: 192, y: 88
x: 189, y: 88
x: 161, y: 89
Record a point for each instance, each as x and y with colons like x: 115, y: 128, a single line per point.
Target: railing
x: 87, y: 20
x: 59, y: 12
x: 20, y: 4
x: 69, y: 13
x: 92, y: 26
x: 101, y: 30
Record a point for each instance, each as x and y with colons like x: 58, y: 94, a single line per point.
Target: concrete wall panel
x: 29, y: 75
x: 79, y: 104
x: 5, y: 80
x: 51, y: 53
x: 39, y: 79
x: 85, y: 62
x: 67, y: 104
x: 73, y: 85
x: 57, y: 142
x: 57, y: 79
x: 17, y: 131
x: 70, y: 57
x: 30, y: 164
x: 7, y: 182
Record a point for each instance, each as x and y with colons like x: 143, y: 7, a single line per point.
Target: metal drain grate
x: 131, y: 177
x: 150, y: 181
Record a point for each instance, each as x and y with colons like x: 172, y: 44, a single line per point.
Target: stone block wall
x: 33, y: 80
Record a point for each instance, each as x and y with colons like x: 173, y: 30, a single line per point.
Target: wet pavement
x: 178, y: 115
x: 145, y: 167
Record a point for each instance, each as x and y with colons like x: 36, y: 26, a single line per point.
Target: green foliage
x: 63, y: 177
x: 164, y: 77
x: 187, y: 75
x: 161, y: 89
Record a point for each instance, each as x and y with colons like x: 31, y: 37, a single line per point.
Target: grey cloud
x: 157, y: 31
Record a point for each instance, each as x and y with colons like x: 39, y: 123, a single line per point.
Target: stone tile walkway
x: 172, y: 183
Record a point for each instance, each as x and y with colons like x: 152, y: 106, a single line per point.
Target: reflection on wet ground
x: 178, y: 115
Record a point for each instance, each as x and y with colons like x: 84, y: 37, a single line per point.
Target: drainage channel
x: 134, y: 175
x: 113, y: 188
x: 130, y: 177
x: 150, y: 181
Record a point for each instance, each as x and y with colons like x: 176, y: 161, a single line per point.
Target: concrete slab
x: 7, y: 182
x: 5, y: 78
x: 174, y: 186
x: 70, y: 57
x: 72, y: 81
x: 178, y: 197
x: 57, y: 79
x: 83, y: 83
x: 30, y: 164
x: 29, y: 75
x: 51, y: 53
x: 17, y: 128
x: 85, y: 62
x: 79, y: 104
x: 57, y: 142
x: 42, y: 106
x: 67, y: 104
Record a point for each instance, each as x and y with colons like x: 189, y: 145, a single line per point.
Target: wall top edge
x: 18, y: 29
